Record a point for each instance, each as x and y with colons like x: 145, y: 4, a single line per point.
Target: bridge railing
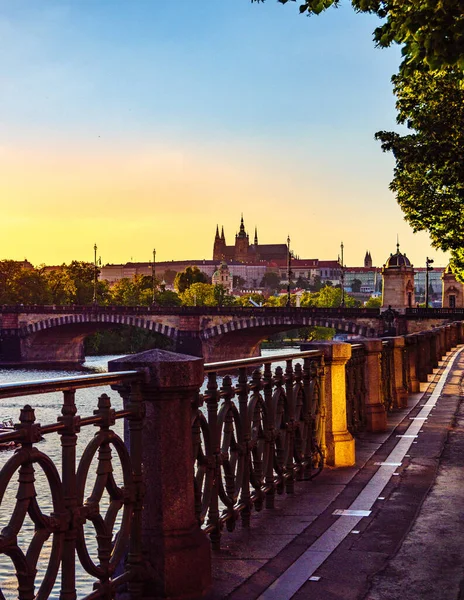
x: 187, y: 310
x: 68, y: 510
x: 254, y: 435
x: 382, y: 373
x: 196, y: 456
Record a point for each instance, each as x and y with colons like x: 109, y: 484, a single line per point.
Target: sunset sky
x: 141, y: 124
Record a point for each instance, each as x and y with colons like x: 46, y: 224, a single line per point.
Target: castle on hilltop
x: 244, y: 252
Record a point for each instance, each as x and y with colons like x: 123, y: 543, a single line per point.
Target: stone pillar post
x: 434, y: 352
x: 454, y: 334
x: 339, y: 441
x: 423, y: 356
x: 460, y: 332
x: 376, y: 415
x: 400, y: 393
x: 441, y: 342
x: 412, y: 351
x: 447, y: 338
x: 176, y: 551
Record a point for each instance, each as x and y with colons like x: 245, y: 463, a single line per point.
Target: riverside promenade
x: 389, y: 528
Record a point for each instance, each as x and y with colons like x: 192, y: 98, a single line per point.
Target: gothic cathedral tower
x: 242, y: 244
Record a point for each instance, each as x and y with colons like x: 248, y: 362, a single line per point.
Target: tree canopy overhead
x: 429, y: 173
x: 430, y: 31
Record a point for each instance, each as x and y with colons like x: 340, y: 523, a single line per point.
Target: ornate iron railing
x: 70, y: 509
x: 356, y: 389
x: 387, y: 375
x: 257, y: 436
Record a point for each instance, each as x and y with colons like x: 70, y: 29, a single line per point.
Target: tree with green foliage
x: 373, y: 302
x: 238, y: 282
x: 276, y: 301
x: 62, y: 287
x: 430, y: 32
x: 315, y: 284
x: 19, y: 285
x: 198, y: 294
x: 136, y: 291
x: 245, y: 299
x: 167, y: 298
x: 428, y: 178
x: 310, y: 334
x: 169, y: 276
x: 188, y: 277
x: 356, y: 285
x: 429, y: 173
x: 327, y: 297
x: 221, y: 297
x: 271, y: 281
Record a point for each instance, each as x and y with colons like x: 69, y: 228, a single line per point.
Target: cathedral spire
x: 223, y: 238
x: 242, y: 225
x: 217, y: 232
x: 256, y: 236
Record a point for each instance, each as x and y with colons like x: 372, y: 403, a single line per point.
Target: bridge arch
x: 59, y: 340
x: 107, y: 320
x: 280, y: 323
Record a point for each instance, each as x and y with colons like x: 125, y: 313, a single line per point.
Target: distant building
x: 223, y: 277
x: 452, y: 290
x: 252, y: 274
x: 243, y: 251
x: 398, y: 282
x: 370, y: 278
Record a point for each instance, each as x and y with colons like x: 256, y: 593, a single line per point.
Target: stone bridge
x: 55, y: 334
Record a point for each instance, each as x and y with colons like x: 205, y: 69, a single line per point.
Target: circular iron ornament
x: 54, y: 524
x: 259, y: 456
x: 203, y: 465
x: 110, y: 550
x: 232, y: 456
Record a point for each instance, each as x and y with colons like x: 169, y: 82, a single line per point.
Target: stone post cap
x: 335, y: 351
x: 165, y: 370
x: 411, y: 339
x: 372, y: 345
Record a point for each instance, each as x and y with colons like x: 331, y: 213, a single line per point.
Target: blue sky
x: 144, y: 123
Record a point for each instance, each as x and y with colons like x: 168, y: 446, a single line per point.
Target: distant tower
x: 242, y: 243
x: 223, y: 277
x: 398, y: 282
x: 368, y: 260
x: 256, y: 237
x: 219, y: 245
x: 452, y: 290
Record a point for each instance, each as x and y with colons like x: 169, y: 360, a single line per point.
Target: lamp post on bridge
x: 94, y: 300
x: 289, y: 273
x: 428, y: 262
x: 342, y: 277
x: 153, y: 279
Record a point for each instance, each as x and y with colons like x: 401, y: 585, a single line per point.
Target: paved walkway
x: 390, y: 528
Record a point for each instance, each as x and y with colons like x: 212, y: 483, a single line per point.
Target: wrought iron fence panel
x: 356, y: 390
x: 117, y: 536
x: 387, y: 375
x: 254, y: 436
x: 405, y: 368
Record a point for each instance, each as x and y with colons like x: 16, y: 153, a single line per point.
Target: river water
x: 47, y: 408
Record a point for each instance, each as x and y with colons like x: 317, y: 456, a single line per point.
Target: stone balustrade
x: 197, y: 460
